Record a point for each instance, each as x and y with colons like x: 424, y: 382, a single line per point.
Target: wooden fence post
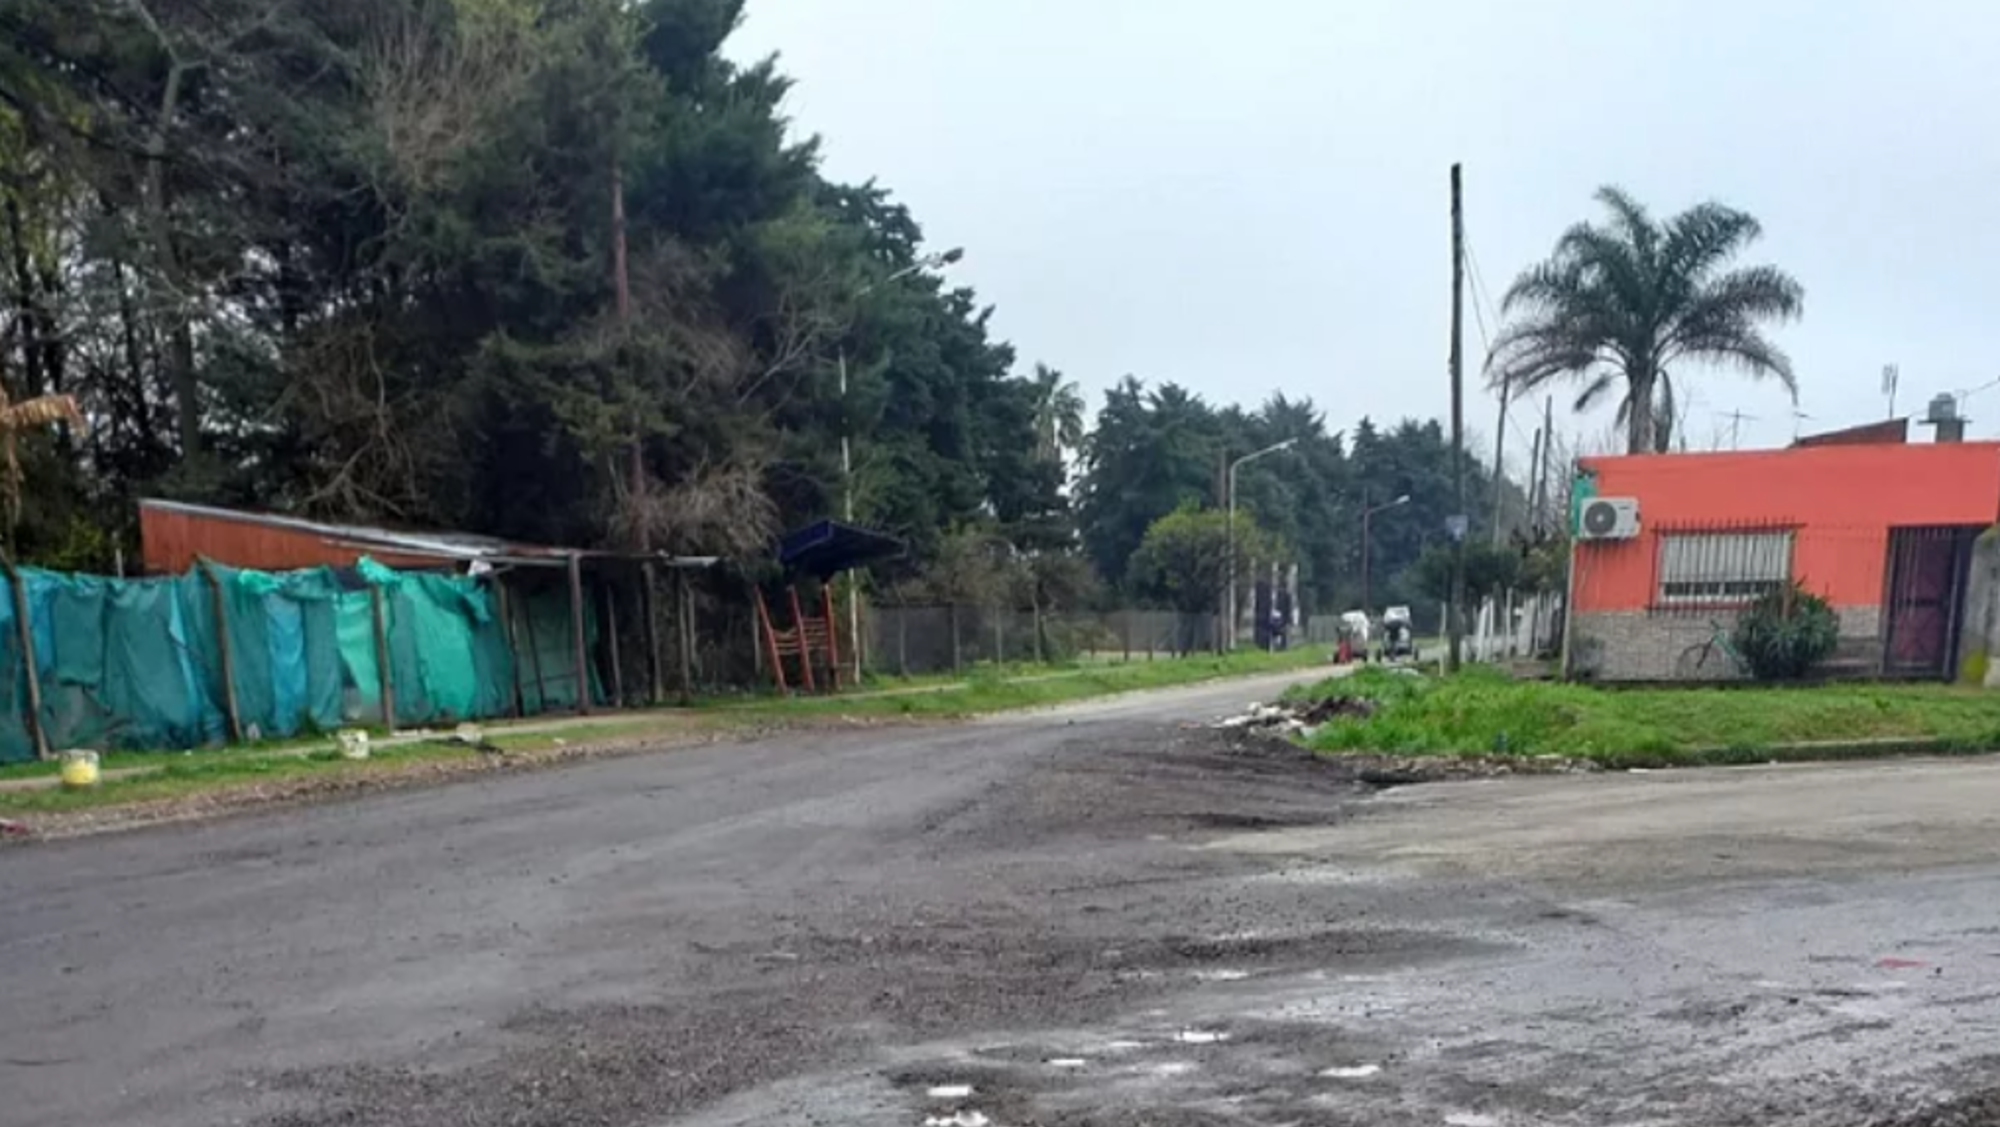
x: 535, y: 657
x: 611, y: 636
x: 385, y: 673
x: 24, y: 639
x: 506, y: 606
x: 649, y: 601
x: 220, y: 605
x: 957, y: 660
x: 684, y: 623
x: 579, y: 659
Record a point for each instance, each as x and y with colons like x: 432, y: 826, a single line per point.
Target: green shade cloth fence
x: 136, y: 663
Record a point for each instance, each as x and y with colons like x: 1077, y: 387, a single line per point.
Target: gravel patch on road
x: 1045, y: 901
x: 1051, y: 920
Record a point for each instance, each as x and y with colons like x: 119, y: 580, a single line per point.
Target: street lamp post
x: 1367, y: 515
x: 1229, y: 596
x: 929, y: 261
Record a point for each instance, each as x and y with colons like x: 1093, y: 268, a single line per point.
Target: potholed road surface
x: 1091, y: 916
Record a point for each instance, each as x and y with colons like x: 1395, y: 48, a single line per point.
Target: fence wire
x: 912, y: 640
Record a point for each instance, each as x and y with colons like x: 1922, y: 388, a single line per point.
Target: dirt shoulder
x: 431, y: 760
x: 144, y: 790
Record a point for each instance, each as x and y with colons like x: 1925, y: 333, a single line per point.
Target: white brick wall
x: 1647, y: 646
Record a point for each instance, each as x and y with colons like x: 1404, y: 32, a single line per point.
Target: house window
x: 1722, y: 567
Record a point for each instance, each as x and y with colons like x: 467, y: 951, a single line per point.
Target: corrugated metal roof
x: 443, y: 545
x: 348, y: 539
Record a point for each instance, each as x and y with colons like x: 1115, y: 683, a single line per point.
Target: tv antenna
x: 1735, y: 425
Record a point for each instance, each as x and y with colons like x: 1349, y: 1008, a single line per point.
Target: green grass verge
x: 166, y: 775
x: 985, y: 689
x: 1483, y: 712
x: 190, y: 773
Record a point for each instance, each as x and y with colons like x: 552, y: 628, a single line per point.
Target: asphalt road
x: 1092, y: 916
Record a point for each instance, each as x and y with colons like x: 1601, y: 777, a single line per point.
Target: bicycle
x: 1689, y: 665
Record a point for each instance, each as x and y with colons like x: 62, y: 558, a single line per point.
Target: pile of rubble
x: 1299, y: 718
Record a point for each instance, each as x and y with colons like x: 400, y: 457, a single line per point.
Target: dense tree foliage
x: 1490, y: 570
x: 1183, y: 560
x: 545, y: 268
x: 1157, y: 449
x: 558, y: 270
x: 1633, y: 303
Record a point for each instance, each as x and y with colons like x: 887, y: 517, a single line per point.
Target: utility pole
x: 1534, y: 485
x: 1548, y: 455
x: 1226, y: 603
x: 1499, y: 453
x: 1891, y: 374
x: 1367, y: 514
x: 1229, y: 487
x: 1456, y: 624
x: 857, y: 653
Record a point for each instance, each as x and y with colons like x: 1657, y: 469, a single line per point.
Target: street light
x: 1366, y: 515
x: 926, y: 262
x: 1229, y: 596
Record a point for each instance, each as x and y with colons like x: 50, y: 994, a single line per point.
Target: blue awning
x: 829, y: 547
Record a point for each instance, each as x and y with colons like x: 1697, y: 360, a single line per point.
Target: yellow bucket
x: 79, y: 768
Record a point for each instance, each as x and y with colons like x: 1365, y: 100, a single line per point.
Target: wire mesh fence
x: 915, y: 640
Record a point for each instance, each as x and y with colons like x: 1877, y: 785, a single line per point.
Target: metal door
x: 1926, y: 577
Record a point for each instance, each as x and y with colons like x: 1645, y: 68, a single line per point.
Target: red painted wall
x: 1840, y: 500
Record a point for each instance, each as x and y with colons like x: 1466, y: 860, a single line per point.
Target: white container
x: 353, y: 743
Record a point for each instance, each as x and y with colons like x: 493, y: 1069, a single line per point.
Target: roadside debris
x: 473, y: 736
x: 79, y: 768
x: 11, y: 828
x: 1282, y: 726
x: 353, y: 743
x: 950, y: 1092
x: 1300, y: 718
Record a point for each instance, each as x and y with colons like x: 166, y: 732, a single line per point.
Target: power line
x: 1987, y: 386
x: 1482, y: 298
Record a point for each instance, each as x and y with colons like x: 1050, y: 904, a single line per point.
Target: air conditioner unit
x: 1609, y: 518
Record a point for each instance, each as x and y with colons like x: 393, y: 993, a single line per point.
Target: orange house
x: 1884, y: 531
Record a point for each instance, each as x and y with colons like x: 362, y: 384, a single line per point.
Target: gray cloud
x: 1253, y: 198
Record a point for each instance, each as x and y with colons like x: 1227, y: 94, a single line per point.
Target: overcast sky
x: 1253, y: 197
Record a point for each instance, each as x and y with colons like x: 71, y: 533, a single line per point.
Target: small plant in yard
x: 1786, y: 633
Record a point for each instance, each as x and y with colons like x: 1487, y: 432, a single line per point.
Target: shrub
x: 1786, y: 632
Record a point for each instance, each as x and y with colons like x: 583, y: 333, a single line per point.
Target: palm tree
x: 1058, y: 414
x: 1634, y: 302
